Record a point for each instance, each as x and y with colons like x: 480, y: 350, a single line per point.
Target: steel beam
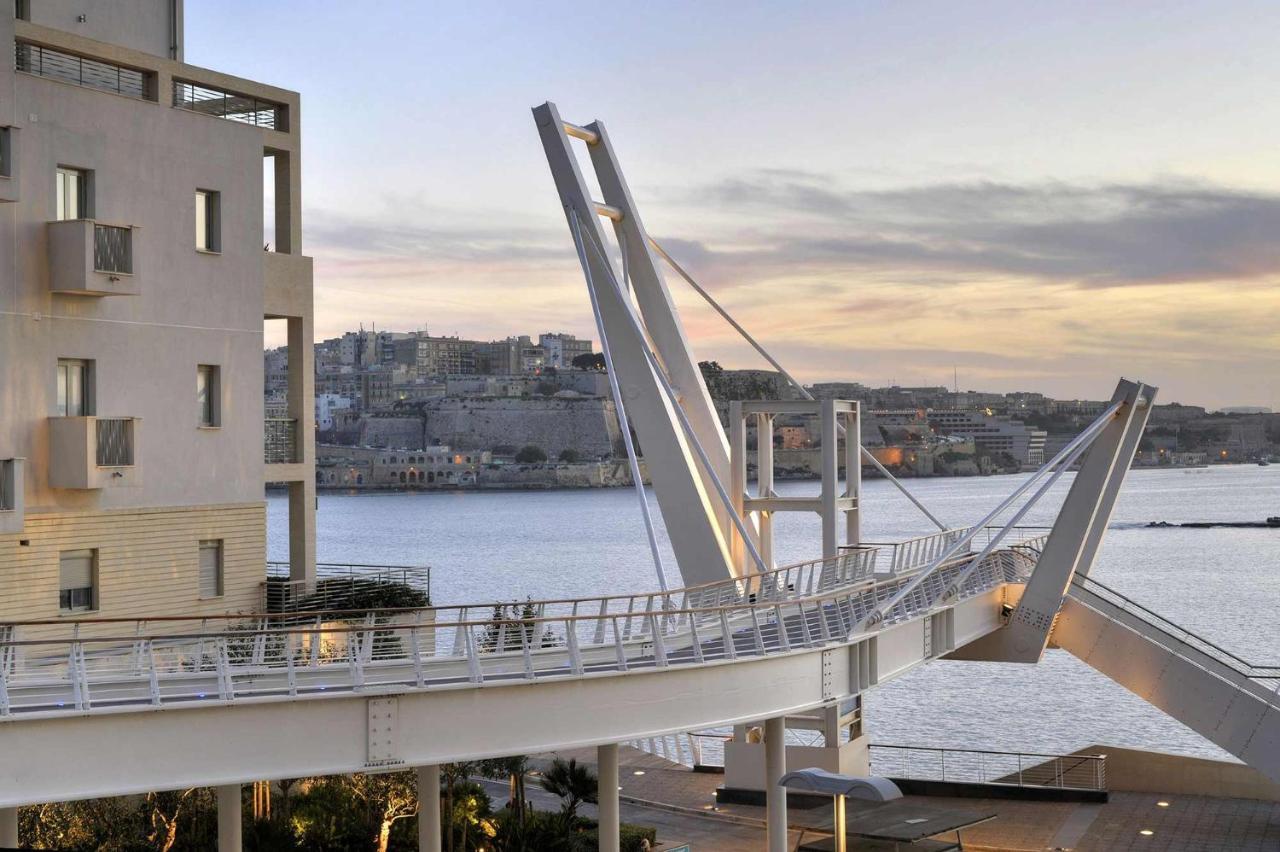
x: 692, y: 516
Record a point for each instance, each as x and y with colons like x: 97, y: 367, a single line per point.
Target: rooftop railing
x: 1005, y: 768
x: 82, y: 71
x: 245, y: 109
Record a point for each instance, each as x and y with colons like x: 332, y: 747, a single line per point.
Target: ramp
x: 1227, y: 700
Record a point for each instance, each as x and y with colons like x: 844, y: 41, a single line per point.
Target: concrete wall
x: 147, y: 560
x: 1157, y: 772
x: 589, y: 426
x: 146, y: 25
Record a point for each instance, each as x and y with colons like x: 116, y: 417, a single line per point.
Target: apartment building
x: 993, y: 434
x: 561, y: 349
x: 436, y: 356
x: 134, y: 290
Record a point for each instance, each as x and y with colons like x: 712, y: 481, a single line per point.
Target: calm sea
x: 1223, y: 584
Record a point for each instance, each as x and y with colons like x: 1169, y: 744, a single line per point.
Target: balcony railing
x: 81, y: 71
x: 245, y: 109
x: 970, y: 766
x: 281, y: 441
x: 113, y: 249
x: 115, y: 441
x: 345, y: 587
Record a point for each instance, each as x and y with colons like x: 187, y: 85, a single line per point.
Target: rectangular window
x: 211, y: 568
x: 6, y: 151
x: 73, y: 193
x: 7, y: 500
x: 22, y: 10
x: 208, y: 220
x: 208, y: 392
x: 75, y: 387
x: 78, y: 580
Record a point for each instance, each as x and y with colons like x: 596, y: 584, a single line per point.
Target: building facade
x: 561, y: 349
x: 135, y: 283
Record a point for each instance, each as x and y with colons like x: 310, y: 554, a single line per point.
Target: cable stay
x: 866, y: 454
x: 665, y: 382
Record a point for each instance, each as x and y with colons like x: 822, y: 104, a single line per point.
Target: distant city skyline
x: 1038, y: 198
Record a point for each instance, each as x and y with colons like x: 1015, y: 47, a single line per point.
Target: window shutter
x: 75, y: 570
x: 210, y: 569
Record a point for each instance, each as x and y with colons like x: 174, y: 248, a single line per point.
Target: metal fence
x: 913, y: 553
x: 81, y: 71
x: 281, y: 441
x: 245, y: 109
x: 115, y: 441
x: 113, y: 249
x: 338, y: 586
x: 971, y: 766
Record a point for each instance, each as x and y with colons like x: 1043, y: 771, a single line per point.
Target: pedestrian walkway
x: 682, y: 805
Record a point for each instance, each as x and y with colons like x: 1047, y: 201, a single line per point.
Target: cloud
x: 1106, y: 235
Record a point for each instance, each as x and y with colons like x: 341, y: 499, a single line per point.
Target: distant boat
x: 1265, y: 461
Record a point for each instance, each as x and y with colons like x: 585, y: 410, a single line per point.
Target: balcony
x: 281, y: 441
x: 12, y: 512
x: 90, y: 258
x: 245, y: 109
x: 93, y: 452
x: 83, y: 71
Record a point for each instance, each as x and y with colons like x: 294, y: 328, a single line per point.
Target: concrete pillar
x: 775, y: 766
x: 302, y: 494
x: 9, y: 827
x: 607, y: 793
x: 429, y: 808
x: 230, y: 806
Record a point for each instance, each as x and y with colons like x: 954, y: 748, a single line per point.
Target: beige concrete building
x: 134, y: 285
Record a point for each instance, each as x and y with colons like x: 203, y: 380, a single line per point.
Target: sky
x: 1028, y: 196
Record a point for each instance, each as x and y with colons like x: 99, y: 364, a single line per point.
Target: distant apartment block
x: 992, y: 434
x: 436, y: 356
x: 561, y: 349
x: 133, y: 444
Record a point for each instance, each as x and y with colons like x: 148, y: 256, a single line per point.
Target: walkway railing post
x: 609, y: 830
x: 775, y: 766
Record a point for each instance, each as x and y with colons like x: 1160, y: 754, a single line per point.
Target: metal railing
x: 338, y: 586
x: 77, y: 665
x: 113, y: 249
x: 81, y: 71
x: 115, y: 441
x: 1003, y: 768
x: 245, y: 109
x: 915, y: 553
x: 1262, y: 681
x: 280, y: 444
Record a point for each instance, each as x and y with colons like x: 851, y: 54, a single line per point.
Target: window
x: 22, y: 10
x: 78, y: 580
x: 208, y: 394
x: 75, y: 387
x: 73, y: 194
x: 208, y: 220
x: 6, y: 151
x: 211, y: 568
x: 7, y: 500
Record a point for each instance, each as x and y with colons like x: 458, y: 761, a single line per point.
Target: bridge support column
x: 429, y: 808
x: 775, y: 766
x: 230, y: 805
x: 607, y: 793
x: 9, y: 827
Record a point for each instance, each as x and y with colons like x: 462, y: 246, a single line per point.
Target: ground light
x: 1146, y: 832
x: 1162, y: 804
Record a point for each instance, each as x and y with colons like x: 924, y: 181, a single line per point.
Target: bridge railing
x: 914, y: 553
x: 279, y: 656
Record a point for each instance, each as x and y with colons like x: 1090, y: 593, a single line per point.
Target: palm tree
x: 574, y: 784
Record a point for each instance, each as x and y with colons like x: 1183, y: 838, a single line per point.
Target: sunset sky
x: 1038, y: 196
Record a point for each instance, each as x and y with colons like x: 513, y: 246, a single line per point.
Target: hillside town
x: 411, y: 410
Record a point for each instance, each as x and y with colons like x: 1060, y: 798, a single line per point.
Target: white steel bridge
x: 99, y: 707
